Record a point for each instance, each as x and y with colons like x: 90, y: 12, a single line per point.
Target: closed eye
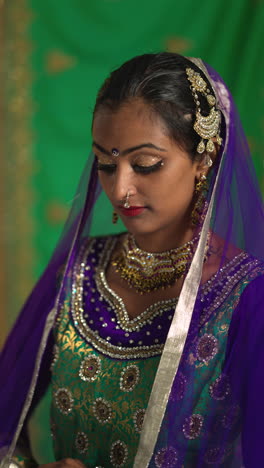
x: 147, y: 169
x: 109, y: 168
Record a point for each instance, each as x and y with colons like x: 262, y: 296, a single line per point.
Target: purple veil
x: 238, y: 218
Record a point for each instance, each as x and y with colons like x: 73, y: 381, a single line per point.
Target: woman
x: 135, y: 384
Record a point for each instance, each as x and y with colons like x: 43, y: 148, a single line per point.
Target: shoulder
x: 249, y: 313
x: 94, y: 250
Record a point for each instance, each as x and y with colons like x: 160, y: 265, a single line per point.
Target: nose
x: 123, y: 183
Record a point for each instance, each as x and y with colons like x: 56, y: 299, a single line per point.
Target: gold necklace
x: 146, y: 272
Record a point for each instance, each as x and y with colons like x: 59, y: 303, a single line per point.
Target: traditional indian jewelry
x: 208, y: 161
x: 146, y: 272
x: 126, y: 202
x: 207, y: 127
x: 115, y: 152
x: 200, y: 207
x: 114, y: 217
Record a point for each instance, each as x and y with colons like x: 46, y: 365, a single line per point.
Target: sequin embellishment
x: 102, y: 410
x: 138, y: 419
x: 220, y: 388
x: 90, y: 368
x: 192, y: 426
x: 166, y: 458
x: 55, y: 356
x: 178, y: 389
x: 207, y: 348
x: 64, y: 400
x: 129, y: 378
x: 216, y: 455
x: 118, y: 454
x: 81, y: 442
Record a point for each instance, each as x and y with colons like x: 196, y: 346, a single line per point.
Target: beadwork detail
x: 90, y: 368
x: 228, y: 276
x: 55, y: 356
x: 178, y: 389
x: 64, y: 400
x: 216, y: 455
x: 102, y: 410
x: 220, y: 388
x: 166, y: 457
x: 81, y: 442
x: 138, y: 419
x: 146, y: 272
x: 207, y: 127
x: 118, y: 454
x: 207, y: 348
x: 192, y: 426
x: 129, y: 378
x: 123, y: 321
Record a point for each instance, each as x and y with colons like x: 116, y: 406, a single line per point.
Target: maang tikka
x: 207, y: 127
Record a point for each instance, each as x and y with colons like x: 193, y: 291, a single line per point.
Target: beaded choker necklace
x: 146, y: 272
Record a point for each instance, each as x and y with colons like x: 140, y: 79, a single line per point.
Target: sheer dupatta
x: 235, y: 214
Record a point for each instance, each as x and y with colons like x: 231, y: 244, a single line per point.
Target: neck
x: 162, y: 241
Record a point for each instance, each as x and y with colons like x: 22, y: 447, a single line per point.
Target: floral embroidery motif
x: 167, y: 457
x: 216, y: 455
x: 90, y: 368
x: 81, y: 442
x: 102, y: 410
x: 64, y: 400
x: 118, y: 454
x: 192, y: 426
x: 138, y: 419
x: 178, y: 389
x: 129, y: 378
x: 207, y: 348
x: 220, y: 388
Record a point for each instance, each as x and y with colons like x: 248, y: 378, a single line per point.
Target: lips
x: 132, y: 210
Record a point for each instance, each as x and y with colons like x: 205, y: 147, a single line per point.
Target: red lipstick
x: 132, y: 210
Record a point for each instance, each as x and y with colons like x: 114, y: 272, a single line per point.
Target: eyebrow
x: 129, y: 150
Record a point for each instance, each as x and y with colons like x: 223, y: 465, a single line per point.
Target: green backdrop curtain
x: 56, y: 55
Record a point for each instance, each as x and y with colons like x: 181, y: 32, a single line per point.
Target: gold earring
x: 114, y: 217
x: 201, y: 190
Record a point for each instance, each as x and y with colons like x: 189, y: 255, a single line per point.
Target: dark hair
x: 161, y: 81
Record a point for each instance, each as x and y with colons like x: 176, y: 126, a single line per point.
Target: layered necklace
x: 146, y: 272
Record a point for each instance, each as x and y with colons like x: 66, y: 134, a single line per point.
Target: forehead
x: 133, y: 123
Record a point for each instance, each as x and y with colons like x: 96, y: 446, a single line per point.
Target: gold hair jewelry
x: 207, y: 127
x: 200, y: 207
x: 146, y: 272
x: 114, y: 217
x: 126, y: 202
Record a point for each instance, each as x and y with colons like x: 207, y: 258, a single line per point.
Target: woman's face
x: 158, y: 175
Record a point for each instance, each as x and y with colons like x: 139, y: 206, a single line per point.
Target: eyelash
x: 110, y: 168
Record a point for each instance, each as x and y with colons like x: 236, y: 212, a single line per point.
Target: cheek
x: 105, y: 181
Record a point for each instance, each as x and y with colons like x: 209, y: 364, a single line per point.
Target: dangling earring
x: 114, y: 217
x: 201, y: 190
